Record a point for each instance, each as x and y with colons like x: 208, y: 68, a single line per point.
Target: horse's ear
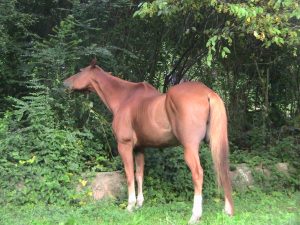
x: 93, y: 63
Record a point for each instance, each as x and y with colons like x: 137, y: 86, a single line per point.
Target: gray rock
x: 263, y: 171
x: 283, y: 168
x: 108, y: 185
x: 241, y: 177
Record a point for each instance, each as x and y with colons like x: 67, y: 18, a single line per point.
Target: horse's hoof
x: 139, y: 205
x: 130, y: 208
x: 194, y: 219
x: 228, y: 212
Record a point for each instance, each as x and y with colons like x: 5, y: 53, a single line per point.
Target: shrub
x: 167, y: 177
x: 40, y: 159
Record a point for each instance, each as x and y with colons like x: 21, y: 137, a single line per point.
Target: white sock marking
x: 197, y: 207
x: 140, y: 200
x: 228, y: 208
x: 131, y: 202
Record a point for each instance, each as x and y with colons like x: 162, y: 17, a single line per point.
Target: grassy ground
x: 252, y: 208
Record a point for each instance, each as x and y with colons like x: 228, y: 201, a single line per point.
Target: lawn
x: 250, y: 208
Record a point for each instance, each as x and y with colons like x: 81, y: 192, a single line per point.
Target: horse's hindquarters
x: 187, y: 107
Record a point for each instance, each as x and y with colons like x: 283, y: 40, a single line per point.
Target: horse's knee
x: 138, y: 175
x: 130, y: 180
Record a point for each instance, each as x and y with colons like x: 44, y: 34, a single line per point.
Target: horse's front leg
x: 126, y: 153
x: 139, y: 174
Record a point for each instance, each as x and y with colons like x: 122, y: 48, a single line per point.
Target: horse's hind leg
x: 190, y: 133
x: 191, y: 157
x: 188, y: 115
x: 139, y: 175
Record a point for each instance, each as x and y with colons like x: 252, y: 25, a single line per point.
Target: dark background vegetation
x: 247, y: 51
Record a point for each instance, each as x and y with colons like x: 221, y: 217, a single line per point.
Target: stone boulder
x: 282, y: 168
x: 265, y: 172
x: 108, y: 185
x: 241, y: 177
x: 103, y: 185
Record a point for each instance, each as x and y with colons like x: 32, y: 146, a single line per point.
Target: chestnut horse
x: 144, y: 117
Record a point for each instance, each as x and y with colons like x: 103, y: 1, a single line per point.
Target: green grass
x: 250, y: 208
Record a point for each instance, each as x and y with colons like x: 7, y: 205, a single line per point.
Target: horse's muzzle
x: 67, y: 86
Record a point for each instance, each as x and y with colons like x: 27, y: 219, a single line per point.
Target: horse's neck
x: 112, y: 90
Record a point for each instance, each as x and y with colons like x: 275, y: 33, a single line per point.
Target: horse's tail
x: 217, y: 134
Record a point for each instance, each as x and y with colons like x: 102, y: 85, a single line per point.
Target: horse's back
x: 189, y: 96
x: 145, y: 90
x: 190, y: 89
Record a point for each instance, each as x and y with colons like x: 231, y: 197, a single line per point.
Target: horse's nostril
x: 67, y: 84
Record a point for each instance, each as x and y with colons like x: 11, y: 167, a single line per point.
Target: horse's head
x: 82, y: 81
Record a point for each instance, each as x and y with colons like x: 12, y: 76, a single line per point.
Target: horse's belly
x: 156, y: 138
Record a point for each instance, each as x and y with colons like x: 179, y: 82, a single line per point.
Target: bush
x: 49, y: 138
x: 267, y: 156
x: 167, y: 177
x: 40, y: 159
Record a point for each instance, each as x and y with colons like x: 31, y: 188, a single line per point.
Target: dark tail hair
x: 217, y: 133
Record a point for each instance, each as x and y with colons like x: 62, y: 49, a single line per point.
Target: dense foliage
x: 247, y: 51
